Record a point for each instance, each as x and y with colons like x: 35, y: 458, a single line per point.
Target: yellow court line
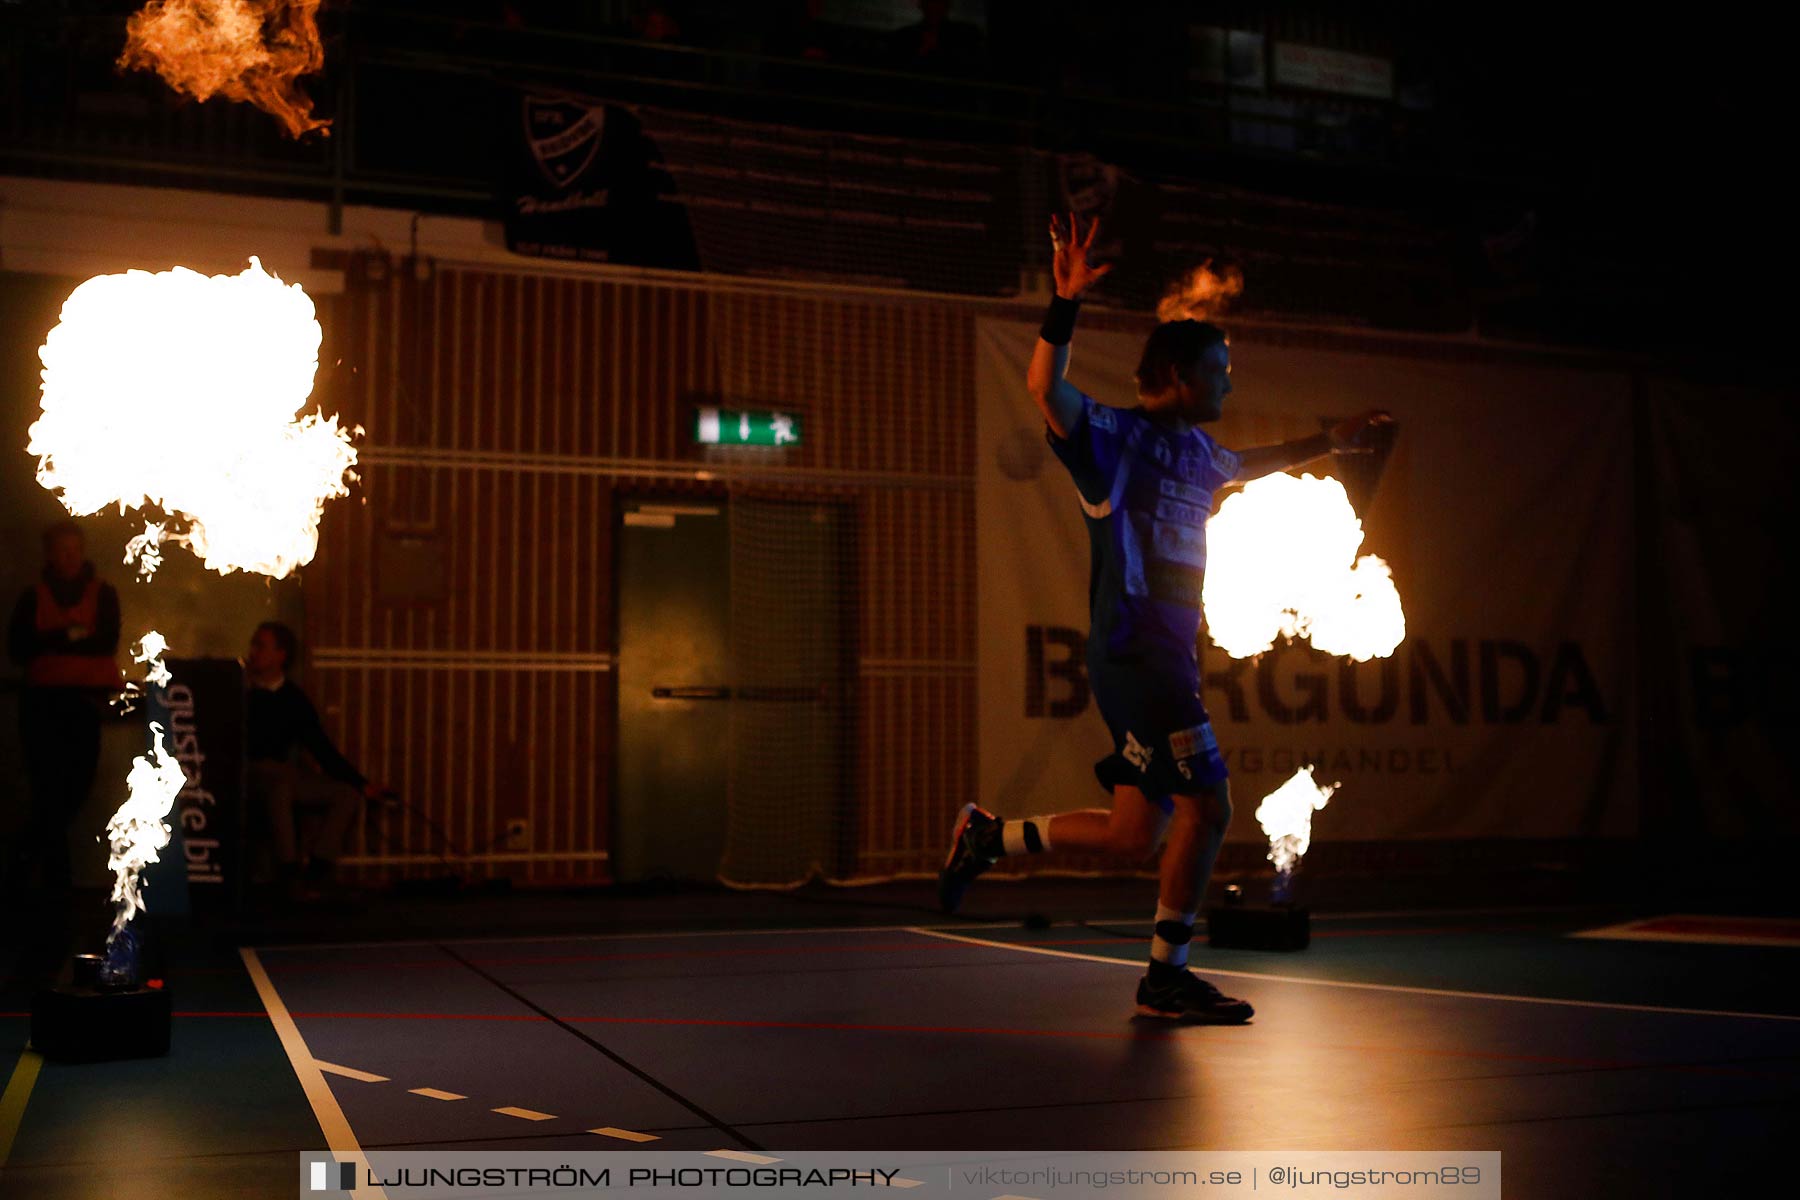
x: 12, y: 1103
x: 350, y: 1073
x: 339, y: 1137
x: 524, y: 1114
x: 742, y: 1156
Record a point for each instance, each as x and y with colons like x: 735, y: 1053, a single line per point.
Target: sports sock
x: 1169, y: 944
x: 1030, y: 836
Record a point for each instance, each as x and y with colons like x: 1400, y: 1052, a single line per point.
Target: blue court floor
x: 1617, y: 1065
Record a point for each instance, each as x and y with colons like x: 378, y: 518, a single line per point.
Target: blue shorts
x: 1163, y: 741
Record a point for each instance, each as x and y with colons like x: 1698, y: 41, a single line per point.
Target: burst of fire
x: 1286, y: 818
x: 1281, y: 562
x: 1202, y: 294
x: 252, y: 50
x: 137, y: 833
x: 180, y: 392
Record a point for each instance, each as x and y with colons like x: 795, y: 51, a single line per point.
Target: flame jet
x: 1286, y: 819
x: 178, y: 391
x: 1202, y: 294
x: 1281, y: 562
x: 252, y: 50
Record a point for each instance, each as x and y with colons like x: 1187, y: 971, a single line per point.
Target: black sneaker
x: 1187, y: 997
x: 974, y: 847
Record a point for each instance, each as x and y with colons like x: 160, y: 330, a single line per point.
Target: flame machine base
x: 1259, y: 927
x: 87, y: 1020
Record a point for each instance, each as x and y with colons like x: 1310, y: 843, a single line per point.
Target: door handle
x: 692, y: 692
x: 767, y: 695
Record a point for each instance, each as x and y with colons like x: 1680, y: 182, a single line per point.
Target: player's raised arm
x: 1266, y: 460
x: 1056, y: 396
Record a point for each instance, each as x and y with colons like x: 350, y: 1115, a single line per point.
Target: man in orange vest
x: 64, y: 633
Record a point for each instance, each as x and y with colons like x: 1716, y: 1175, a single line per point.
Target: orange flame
x: 253, y: 50
x: 1202, y: 294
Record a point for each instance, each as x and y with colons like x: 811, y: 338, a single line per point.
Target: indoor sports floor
x: 1654, y: 1063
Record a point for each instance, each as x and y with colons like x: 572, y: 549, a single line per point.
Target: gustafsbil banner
x: 1504, y: 510
x: 201, y: 712
x: 587, y: 183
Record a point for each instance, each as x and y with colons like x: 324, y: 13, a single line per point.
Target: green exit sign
x: 745, y: 427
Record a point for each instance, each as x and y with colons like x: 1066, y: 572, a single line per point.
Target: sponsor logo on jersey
x: 1179, y: 543
x: 1226, y: 462
x: 1191, y: 743
x: 1135, y: 752
x: 1175, y: 510
x: 1187, y: 492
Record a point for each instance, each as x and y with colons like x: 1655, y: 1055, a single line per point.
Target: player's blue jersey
x: 1147, y: 492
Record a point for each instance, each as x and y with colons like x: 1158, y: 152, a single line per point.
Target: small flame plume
x: 253, y: 50
x: 149, y: 651
x: 1281, y: 562
x: 179, y: 391
x: 1286, y: 818
x: 137, y: 833
x: 1202, y: 294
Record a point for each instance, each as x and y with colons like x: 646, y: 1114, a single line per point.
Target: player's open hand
x: 1347, y: 433
x: 1074, y: 274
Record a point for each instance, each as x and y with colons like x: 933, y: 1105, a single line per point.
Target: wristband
x: 1059, y: 321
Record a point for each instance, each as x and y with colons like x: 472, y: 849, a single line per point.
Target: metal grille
x: 461, y: 615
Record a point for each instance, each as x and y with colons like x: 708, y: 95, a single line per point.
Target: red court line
x: 1154, y: 1034
x: 1112, y: 1035
x: 770, y: 952
x: 180, y: 1013
x: 1343, y: 933
x: 623, y: 956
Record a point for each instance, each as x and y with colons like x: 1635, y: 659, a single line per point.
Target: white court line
x: 339, y: 1137
x: 742, y: 1156
x: 349, y: 1072
x: 1373, y: 987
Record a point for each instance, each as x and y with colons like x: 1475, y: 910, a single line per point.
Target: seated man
x: 280, y: 721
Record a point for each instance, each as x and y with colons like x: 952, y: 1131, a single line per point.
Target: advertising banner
x: 1504, y: 511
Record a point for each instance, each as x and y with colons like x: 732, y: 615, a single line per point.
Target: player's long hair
x: 1174, y: 346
